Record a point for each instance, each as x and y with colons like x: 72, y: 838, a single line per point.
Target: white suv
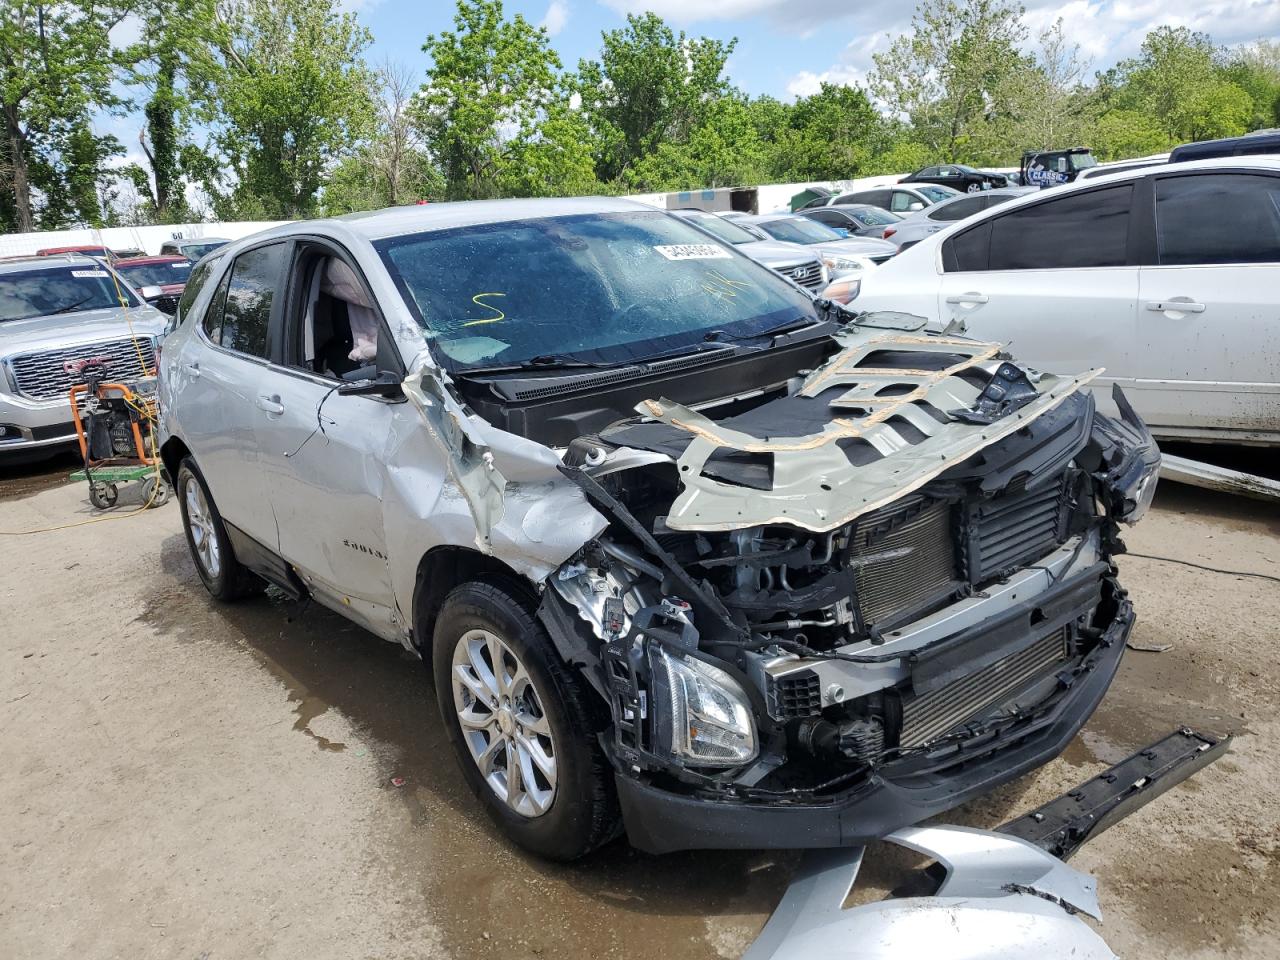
x: 1169, y: 276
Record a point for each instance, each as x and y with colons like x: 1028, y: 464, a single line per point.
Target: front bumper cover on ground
x: 898, y: 794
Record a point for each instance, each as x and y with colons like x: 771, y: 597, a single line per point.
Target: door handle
x: 1175, y: 306
x: 193, y: 368
x: 968, y: 298
x: 271, y: 405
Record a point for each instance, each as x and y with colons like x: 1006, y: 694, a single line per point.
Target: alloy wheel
x: 200, y: 524
x: 503, y: 723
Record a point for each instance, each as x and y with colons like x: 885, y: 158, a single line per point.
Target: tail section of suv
x: 694, y: 555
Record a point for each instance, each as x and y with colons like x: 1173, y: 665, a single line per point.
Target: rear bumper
x: 898, y: 794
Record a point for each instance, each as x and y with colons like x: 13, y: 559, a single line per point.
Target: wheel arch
x: 172, y: 452
x: 443, y: 568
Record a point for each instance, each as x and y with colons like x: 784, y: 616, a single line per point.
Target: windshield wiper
x: 802, y: 323
x: 546, y: 361
x: 71, y: 306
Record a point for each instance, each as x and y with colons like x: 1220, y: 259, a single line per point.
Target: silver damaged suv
x: 692, y: 554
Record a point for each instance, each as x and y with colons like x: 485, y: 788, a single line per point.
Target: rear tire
x: 221, y: 573
x: 532, y: 714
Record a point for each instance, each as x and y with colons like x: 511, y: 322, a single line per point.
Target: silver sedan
x: 919, y: 224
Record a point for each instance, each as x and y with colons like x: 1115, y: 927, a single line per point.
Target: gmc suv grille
x: 40, y: 376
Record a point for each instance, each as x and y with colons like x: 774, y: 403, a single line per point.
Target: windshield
x: 799, y: 230
x: 67, y: 289
x: 604, y: 288
x: 875, y: 217
x: 937, y: 193
x: 194, y: 251
x: 155, y: 274
x: 720, y: 227
x: 1082, y: 161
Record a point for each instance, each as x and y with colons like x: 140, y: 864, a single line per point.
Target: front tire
x: 975, y: 188
x: 521, y: 723
x: 220, y: 572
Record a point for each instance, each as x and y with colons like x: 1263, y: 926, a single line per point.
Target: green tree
x: 1177, y: 80
x: 1121, y: 134
x: 56, y: 66
x: 955, y: 76
x: 1255, y: 68
x: 831, y: 135
x: 289, y: 96
x: 494, y: 111
x: 173, y: 56
x: 393, y: 167
x: 1052, y: 105
x: 650, y: 86
x: 725, y: 150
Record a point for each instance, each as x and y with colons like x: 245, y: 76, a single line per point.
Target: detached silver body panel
x: 1002, y: 899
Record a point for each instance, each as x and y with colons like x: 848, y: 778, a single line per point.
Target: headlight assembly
x: 708, y: 722
x: 842, y: 265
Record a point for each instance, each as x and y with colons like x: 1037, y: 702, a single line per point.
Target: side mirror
x: 385, y: 384
x: 150, y: 293
x: 915, y: 206
x: 843, y: 231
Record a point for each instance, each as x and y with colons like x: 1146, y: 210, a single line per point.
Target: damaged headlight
x: 1131, y: 458
x: 709, y: 720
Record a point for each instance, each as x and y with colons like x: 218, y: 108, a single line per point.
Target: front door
x: 324, y: 455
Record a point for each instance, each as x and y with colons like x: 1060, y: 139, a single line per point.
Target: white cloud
x: 556, y: 17
x: 794, y: 16
x: 806, y: 83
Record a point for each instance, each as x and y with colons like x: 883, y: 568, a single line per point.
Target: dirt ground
x: 193, y: 781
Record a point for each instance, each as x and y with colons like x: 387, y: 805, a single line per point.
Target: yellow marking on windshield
x: 475, y: 321
x: 721, y: 287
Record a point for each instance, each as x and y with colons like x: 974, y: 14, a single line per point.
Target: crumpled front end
x: 826, y: 611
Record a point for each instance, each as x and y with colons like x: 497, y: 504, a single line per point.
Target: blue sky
x: 787, y: 46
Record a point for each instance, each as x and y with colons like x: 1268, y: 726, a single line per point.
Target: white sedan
x: 1168, y: 276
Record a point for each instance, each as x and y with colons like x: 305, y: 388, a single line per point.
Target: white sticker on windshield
x: 89, y: 273
x: 693, y: 251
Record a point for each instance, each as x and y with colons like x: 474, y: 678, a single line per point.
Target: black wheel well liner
x: 443, y: 568
x: 172, y: 453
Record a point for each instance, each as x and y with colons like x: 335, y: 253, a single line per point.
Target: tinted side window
x: 1222, y: 218
x: 1081, y: 230
x: 254, y: 278
x: 829, y: 218
x: 958, y: 210
x: 969, y: 250
x: 212, y: 321
x: 195, y: 283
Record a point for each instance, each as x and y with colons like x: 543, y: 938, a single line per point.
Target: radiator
x: 927, y: 717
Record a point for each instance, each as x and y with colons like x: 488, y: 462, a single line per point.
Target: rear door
x: 1209, y: 306
x: 324, y: 454
x: 1053, y: 280
x: 220, y: 369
